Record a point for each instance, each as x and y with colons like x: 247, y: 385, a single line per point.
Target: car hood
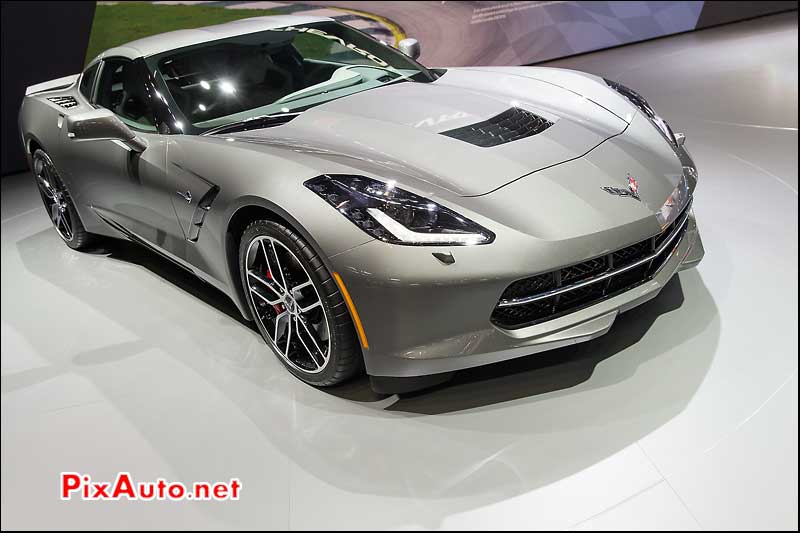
x: 398, y: 127
x: 577, y: 198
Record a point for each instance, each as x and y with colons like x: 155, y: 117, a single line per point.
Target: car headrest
x: 132, y: 84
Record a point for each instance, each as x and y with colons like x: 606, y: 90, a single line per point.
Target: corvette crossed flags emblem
x: 632, y: 191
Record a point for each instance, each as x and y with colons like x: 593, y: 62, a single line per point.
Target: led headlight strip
x: 409, y: 236
x: 395, y: 215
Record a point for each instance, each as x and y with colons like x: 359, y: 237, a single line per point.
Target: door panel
x: 125, y: 187
x: 129, y: 188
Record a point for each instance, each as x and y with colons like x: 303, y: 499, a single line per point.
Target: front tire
x: 58, y: 203
x: 297, y: 306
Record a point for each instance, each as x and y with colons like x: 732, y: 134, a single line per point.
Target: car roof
x: 164, y: 42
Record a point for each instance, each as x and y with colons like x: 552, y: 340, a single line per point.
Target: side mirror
x: 102, y: 124
x: 410, y: 47
x: 680, y: 138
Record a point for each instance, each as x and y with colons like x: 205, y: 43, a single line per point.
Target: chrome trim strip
x: 560, y: 290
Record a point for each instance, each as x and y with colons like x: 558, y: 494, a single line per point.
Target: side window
x: 121, y: 90
x: 87, y: 81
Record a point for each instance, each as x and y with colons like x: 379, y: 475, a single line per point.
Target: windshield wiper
x: 263, y: 121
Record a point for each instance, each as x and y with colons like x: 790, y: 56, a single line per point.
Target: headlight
x: 394, y: 215
x: 639, y: 101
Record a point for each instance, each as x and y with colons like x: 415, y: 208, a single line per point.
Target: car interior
x: 227, y: 78
x: 120, y: 89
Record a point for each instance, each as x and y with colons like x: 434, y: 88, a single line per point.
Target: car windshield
x: 283, y: 70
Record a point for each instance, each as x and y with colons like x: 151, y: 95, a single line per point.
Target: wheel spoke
x: 269, y: 266
x: 280, y: 267
x: 308, y: 308
x: 45, y: 187
x: 264, y: 282
x: 312, y: 336
x: 297, y: 288
x: 277, y: 323
x: 65, y: 223
x: 308, y: 350
x: 55, y: 214
x: 288, y: 337
x: 270, y: 302
x: 50, y: 179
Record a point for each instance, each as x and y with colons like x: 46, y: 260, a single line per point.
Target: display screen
x: 450, y: 33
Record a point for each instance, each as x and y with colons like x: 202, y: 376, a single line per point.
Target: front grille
x: 582, y: 271
x: 534, y: 285
x: 510, y: 125
x: 64, y: 101
x: 631, y: 254
x: 547, y: 296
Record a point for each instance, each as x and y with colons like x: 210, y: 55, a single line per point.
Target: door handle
x: 185, y: 195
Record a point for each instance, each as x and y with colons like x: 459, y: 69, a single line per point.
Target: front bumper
x: 423, y: 317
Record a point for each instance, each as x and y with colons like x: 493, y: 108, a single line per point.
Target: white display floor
x: 683, y: 416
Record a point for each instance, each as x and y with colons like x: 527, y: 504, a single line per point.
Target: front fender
x: 269, y: 178
x: 244, y: 207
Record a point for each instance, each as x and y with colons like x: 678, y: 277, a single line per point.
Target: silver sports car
x: 365, y: 211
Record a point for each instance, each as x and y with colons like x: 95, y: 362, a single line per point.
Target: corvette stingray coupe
x: 366, y: 212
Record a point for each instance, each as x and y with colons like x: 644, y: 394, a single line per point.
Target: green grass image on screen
x: 116, y: 24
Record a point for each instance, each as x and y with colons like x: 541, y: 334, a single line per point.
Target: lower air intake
x: 547, y: 296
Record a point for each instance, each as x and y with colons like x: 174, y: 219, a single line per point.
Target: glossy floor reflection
x: 683, y: 416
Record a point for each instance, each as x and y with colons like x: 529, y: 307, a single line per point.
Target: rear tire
x: 297, y: 305
x: 58, y: 203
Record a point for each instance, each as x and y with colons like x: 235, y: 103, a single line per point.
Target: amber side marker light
x: 349, y: 301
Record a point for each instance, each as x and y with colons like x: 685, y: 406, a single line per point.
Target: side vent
x: 200, y: 212
x: 64, y: 101
x: 508, y: 126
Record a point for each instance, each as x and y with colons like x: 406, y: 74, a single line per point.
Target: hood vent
x: 64, y: 101
x: 508, y: 126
